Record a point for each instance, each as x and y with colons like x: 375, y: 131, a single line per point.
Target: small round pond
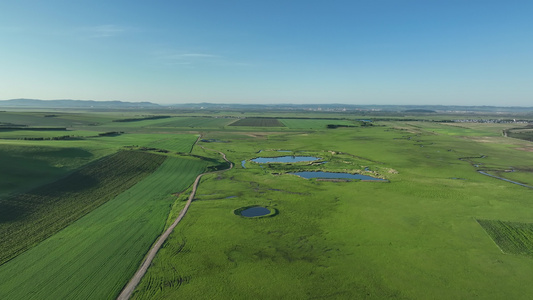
x: 284, y: 159
x: 255, y: 211
x: 332, y: 175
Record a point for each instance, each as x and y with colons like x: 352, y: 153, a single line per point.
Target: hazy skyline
x: 354, y: 52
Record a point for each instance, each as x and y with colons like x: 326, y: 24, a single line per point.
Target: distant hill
x: 420, y: 110
x: 74, y: 104
x: 359, y: 108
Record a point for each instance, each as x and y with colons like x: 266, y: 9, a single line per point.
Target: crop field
x: 523, y: 134
x: 197, y: 122
x: 178, y: 143
x: 28, y: 163
x: 169, y: 142
x: 96, y: 255
x: 258, y: 122
x: 28, y: 218
x: 25, y: 166
x: 430, y: 231
x: 39, y: 119
x: 511, y: 237
x: 314, y: 123
x: 30, y: 134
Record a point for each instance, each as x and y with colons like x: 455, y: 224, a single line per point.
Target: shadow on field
x: 75, y: 183
x: 9, y: 213
x: 66, y: 152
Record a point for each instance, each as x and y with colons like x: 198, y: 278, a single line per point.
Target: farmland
x: 197, y: 122
x: 314, y: 123
x: 30, y: 217
x: 430, y: 231
x: 511, y: 237
x: 524, y: 134
x: 95, y: 256
x: 258, y: 122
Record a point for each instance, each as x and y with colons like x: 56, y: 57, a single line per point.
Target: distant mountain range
x: 336, y: 107
x: 68, y: 103
x: 332, y: 107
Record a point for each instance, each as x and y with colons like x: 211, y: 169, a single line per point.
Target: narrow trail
x: 134, y: 281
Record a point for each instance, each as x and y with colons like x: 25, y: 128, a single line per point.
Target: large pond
x: 255, y: 211
x: 332, y: 175
x: 284, y: 159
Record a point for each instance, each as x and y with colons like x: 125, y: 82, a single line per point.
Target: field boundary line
x: 490, y: 237
x: 134, y: 281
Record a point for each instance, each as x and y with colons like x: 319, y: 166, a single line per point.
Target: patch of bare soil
x: 483, y: 139
x: 527, y: 149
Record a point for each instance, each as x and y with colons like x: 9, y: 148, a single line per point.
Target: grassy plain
x: 414, y: 237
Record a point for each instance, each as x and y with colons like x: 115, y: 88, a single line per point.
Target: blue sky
x: 465, y: 52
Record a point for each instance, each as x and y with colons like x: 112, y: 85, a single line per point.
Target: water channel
x: 505, y: 179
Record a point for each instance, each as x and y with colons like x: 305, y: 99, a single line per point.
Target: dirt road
x: 134, y: 281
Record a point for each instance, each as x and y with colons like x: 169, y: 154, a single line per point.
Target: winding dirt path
x: 134, y: 281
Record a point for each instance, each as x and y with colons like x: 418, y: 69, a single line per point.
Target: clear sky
x: 466, y: 52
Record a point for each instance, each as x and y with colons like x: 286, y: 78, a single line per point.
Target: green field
x: 409, y: 238
x: 96, y: 255
x: 258, y: 122
x: 197, y: 122
x: 415, y: 236
x: 523, y: 134
x: 511, y: 237
x: 24, y: 166
x: 314, y: 123
x: 30, y: 217
x: 30, y: 134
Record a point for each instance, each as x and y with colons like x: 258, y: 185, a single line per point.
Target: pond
x: 213, y: 141
x: 332, y: 175
x: 284, y: 159
x: 255, y: 211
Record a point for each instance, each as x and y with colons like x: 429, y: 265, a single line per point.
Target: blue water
x: 242, y: 164
x: 333, y: 175
x: 256, y: 211
x: 284, y: 159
